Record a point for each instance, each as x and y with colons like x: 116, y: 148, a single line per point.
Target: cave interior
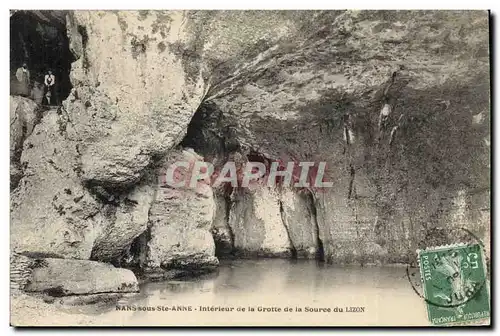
x: 39, y: 39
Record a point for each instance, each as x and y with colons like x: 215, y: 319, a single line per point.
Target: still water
x: 276, y: 289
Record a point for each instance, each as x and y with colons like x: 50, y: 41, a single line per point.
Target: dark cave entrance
x: 39, y: 39
x: 213, y: 137
x: 209, y: 134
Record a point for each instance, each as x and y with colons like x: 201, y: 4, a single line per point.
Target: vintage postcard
x: 250, y: 168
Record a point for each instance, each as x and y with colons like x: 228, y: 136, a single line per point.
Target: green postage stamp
x: 455, y: 284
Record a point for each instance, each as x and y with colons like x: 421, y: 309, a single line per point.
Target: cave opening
x: 210, y: 135
x: 39, y: 39
x: 135, y: 257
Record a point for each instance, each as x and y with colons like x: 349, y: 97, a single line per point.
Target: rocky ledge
x: 71, y: 279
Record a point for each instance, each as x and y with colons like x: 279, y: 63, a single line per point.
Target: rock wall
x: 24, y: 115
x: 221, y: 231
x: 133, y: 94
x: 256, y: 223
x: 180, y: 220
x: 51, y: 211
x: 395, y: 102
x: 89, y: 191
x: 129, y: 219
x: 59, y: 277
x: 20, y: 271
x: 298, y: 214
x: 266, y: 222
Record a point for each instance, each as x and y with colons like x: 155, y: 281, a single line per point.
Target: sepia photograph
x: 250, y: 168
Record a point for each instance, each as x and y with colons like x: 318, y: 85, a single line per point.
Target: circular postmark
x: 451, y: 269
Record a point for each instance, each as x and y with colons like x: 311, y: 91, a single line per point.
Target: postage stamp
x: 454, y: 281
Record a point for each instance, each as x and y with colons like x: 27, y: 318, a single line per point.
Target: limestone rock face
x: 133, y: 92
x: 129, y: 220
x: 51, y: 212
x: 60, y: 277
x: 85, y: 193
x: 20, y: 271
x: 257, y: 226
x: 55, y: 213
x: 299, y: 218
x: 340, y: 62
x: 180, y: 222
x: 24, y: 115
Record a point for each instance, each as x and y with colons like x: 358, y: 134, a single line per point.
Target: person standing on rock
x: 23, y: 77
x: 50, y: 81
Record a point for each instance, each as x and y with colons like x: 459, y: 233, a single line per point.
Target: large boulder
x: 54, y: 213
x: 61, y: 277
x: 180, y: 222
x: 129, y: 219
x: 134, y: 91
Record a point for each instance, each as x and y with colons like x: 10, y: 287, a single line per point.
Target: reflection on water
x: 384, y: 292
